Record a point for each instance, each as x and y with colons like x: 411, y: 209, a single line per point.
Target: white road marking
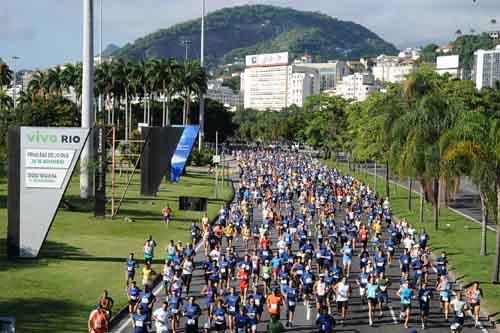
x: 393, y: 314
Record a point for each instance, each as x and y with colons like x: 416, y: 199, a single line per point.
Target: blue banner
x: 183, y: 150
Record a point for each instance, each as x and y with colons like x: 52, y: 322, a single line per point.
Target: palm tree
x: 168, y: 71
x: 5, y: 100
x: 71, y: 78
x: 5, y: 75
x: 458, y: 32
x: 38, y: 86
x: 104, y: 86
x: 55, y: 81
x: 191, y: 79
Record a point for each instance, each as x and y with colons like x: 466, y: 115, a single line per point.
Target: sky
x: 48, y: 32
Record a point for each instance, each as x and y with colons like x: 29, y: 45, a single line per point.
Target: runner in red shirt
x: 98, y: 321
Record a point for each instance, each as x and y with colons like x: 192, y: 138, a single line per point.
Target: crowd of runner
x: 313, y: 223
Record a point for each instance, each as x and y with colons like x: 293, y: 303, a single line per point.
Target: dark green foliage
x: 235, y: 32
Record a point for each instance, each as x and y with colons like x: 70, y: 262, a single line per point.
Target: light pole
x: 187, y: 43
x: 86, y: 180
x: 100, y: 98
x: 14, y: 92
x: 201, y: 119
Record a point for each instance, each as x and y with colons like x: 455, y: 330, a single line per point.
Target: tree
x: 477, y: 138
x: 191, y: 80
x: 5, y: 75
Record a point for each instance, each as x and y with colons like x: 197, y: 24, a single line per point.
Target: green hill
x: 238, y: 31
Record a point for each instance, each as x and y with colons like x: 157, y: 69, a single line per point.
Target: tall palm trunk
x: 421, y: 208
x: 496, y: 265
x: 410, y: 181
x: 126, y: 116
x: 163, y: 121
x: 484, y: 223
x: 436, y: 203
x: 387, y: 190
x: 168, y: 111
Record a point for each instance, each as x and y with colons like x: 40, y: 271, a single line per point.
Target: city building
x: 331, y: 73
x: 392, y: 69
x: 486, y: 67
x: 270, y: 83
x: 449, y: 64
x: 224, y: 95
x: 494, y: 34
x: 357, y: 86
x: 410, y: 53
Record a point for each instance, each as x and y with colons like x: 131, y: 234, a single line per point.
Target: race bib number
x: 139, y: 323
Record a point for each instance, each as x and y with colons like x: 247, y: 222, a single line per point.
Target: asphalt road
x: 466, y: 202
x: 357, y: 320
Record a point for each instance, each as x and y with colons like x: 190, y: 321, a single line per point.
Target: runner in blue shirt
x: 130, y: 268
x: 192, y: 312
x: 290, y: 293
x: 133, y: 296
x: 233, y: 306
x: 252, y: 312
x: 140, y: 320
x: 242, y: 321
x: 424, y: 300
x: 219, y: 317
x: 371, y: 294
x: 406, y: 294
x: 325, y: 322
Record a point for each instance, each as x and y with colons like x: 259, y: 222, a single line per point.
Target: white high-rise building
x: 486, y: 67
x: 392, y: 69
x: 270, y: 83
x: 224, y: 95
x: 357, y: 86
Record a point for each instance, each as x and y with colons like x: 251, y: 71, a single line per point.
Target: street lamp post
x: 201, y: 119
x: 14, y: 92
x: 86, y: 181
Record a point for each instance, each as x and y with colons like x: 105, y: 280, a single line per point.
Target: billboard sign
x: 268, y: 59
x: 47, y: 158
x: 448, y: 62
x: 183, y: 150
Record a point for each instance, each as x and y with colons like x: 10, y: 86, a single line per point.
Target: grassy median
x: 82, y: 255
x: 458, y: 236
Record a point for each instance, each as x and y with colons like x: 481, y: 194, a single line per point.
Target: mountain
x: 110, y: 49
x: 237, y: 31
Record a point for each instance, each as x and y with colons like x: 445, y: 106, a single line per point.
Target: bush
x: 201, y: 158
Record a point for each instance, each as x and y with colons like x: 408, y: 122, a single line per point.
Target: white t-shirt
x: 187, y: 267
x: 342, y: 292
x: 162, y: 320
x: 458, y: 307
x: 408, y: 243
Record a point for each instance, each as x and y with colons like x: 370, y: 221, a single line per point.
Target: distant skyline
x: 49, y: 32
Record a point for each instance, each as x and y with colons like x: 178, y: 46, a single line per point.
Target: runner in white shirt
x: 161, y: 317
x: 342, y: 291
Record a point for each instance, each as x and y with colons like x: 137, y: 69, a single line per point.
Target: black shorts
x: 341, y: 305
x: 132, y: 302
x: 372, y: 300
x: 424, y: 309
x: 220, y: 326
x: 405, y: 307
x: 186, y: 278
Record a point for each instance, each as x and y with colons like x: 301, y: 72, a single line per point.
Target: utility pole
x: 201, y: 119
x: 187, y: 43
x: 100, y: 98
x: 14, y: 92
x: 86, y: 181
x: 217, y: 164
